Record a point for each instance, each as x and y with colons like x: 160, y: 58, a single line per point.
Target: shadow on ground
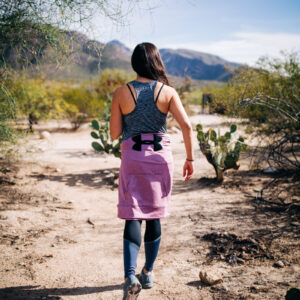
x: 180, y: 186
x: 31, y: 292
x: 93, y: 179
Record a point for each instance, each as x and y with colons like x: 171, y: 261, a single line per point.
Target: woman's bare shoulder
x: 121, y: 90
x: 169, y: 89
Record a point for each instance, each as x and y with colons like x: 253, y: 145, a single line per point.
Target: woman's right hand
x: 188, y: 170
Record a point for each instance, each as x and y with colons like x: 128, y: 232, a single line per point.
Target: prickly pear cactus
x: 101, y: 133
x: 222, y: 151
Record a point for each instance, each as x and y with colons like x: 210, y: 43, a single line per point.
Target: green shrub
x: 222, y: 151
x: 105, y: 143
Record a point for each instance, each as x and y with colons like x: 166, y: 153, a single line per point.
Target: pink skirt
x: 145, y: 177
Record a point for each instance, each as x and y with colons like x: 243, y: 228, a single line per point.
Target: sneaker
x: 146, y: 279
x: 131, y: 288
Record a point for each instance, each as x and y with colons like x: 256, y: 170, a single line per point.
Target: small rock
x: 58, y: 170
x: 22, y: 264
x: 224, y: 288
x: 110, y: 175
x: 45, y: 135
x: 279, y: 264
x: 270, y: 170
x: 210, y: 277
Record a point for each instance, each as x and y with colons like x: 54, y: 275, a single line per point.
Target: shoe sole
x: 133, y: 291
x: 147, y: 286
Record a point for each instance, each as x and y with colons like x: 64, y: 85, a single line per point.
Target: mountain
x: 116, y: 55
x: 197, y: 65
x: 89, y: 57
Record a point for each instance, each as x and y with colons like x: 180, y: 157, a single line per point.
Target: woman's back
x: 145, y: 117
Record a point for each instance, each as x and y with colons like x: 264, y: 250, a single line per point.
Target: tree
x: 29, y: 29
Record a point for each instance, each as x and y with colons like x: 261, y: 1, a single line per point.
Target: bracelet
x: 189, y: 159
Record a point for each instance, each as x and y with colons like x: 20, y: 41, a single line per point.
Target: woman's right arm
x: 177, y: 110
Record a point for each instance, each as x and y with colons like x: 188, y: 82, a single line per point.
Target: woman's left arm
x: 116, y: 126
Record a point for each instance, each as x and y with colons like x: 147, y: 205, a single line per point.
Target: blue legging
x: 132, y: 242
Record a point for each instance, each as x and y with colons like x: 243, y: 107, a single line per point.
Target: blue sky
x: 240, y: 31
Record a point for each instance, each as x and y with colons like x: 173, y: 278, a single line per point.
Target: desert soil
x: 61, y: 238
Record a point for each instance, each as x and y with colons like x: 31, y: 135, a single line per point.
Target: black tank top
x: 146, y: 116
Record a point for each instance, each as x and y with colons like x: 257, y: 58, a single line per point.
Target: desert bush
x: 109, y: 80
x: 281, y: 99
x: 85, y: 101
x: 274, y: 80
x: 40, y: 98
x: 195, y: 96
x: 278, y: 92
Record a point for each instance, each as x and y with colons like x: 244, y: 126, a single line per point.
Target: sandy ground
x: 61, y: 238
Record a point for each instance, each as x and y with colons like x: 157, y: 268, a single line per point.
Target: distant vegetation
x: 76, y: 101
x: 269, y: 96
x: 271, y: 91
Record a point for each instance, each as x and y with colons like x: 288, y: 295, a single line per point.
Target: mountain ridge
x: 91, y: 57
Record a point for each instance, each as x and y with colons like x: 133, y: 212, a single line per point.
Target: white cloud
x: 247, y: 47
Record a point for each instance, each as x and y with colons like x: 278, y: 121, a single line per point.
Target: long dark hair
x: 146, y: 62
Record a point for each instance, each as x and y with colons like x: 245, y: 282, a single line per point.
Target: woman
x: 139, y: 111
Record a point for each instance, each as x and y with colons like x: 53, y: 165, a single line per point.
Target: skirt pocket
x: 146, y: 189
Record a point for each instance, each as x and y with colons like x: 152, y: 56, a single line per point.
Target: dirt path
x: 61, y: 239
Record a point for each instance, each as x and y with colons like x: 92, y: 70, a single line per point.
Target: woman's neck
x: 143, y: 79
